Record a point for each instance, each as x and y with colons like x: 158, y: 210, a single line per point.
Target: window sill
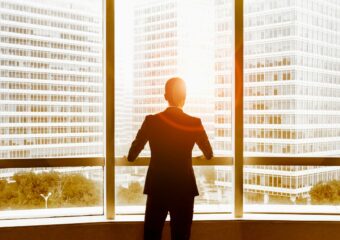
x: 140, y: 219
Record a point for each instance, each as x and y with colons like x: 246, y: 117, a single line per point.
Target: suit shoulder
x: 147, y: 117
x: 193, y: 119
x: 153, y: 117
x: 156, y: 115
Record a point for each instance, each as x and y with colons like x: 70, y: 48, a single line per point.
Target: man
x: 170, y: 182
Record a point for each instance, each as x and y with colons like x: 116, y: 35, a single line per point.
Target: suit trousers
x: 181, y: 210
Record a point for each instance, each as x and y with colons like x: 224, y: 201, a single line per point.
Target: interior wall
x: 201, y: 230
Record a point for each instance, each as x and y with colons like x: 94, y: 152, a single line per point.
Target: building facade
x: 291, y: 94
x: 51, y: 88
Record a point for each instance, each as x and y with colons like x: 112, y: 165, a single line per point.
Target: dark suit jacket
x: 172, y: 135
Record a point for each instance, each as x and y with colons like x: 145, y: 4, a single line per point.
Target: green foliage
x: 131, y: 195
x: 67, y: 190
x: 76, y: 187
x: 326, y: 193
x: 2, y: 184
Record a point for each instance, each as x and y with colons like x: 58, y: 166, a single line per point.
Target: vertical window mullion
x: 109, y: 114
x: 238, y: 110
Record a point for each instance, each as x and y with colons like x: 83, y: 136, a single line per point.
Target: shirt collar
x: 172, y: 108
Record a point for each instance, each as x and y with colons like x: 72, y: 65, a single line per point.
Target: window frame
x: 238, y: 160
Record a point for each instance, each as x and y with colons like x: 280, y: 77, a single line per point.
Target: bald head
x: 175, y: 92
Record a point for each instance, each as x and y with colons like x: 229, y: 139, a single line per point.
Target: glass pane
x: 292, y: 189
x: 51, y: 192
x: 157, y: 40
x: 214, y: 185
x: 291, y: 100
x: 51, y: 88
x: 129, y: 190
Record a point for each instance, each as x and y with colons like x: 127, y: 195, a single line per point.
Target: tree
x: 80, y: 191
x: 8, y: 194
x: 326, y: 193
x: 133, y: 194
x: 30, y: 185
x: 67, y: 190
x: 2, y: 184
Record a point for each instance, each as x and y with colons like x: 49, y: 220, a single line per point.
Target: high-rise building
x: 223, y: 71
x: 51, y: 87
x: 291, y: 81
x: 291, y: 94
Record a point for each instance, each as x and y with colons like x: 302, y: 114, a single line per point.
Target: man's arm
x: 140, y: 140
x: 203, y: 142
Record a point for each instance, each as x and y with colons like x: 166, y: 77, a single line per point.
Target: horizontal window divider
x: 196, y: 161
x: 293, y: 161
x: 52, y: 162
x: 144, y: 161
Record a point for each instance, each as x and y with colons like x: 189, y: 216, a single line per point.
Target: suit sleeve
x: 203, y: 142
x: 141, y: 139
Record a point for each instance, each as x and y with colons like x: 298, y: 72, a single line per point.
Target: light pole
x: 46, y: 198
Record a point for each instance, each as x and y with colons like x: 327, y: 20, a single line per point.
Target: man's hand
x: 202, y: 158
x: 125, y: 159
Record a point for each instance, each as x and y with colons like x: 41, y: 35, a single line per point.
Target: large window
x: 263, y: 75
x: 291, y: 94
x: 290, y: 78
x: 51, y: 107
x: 156, y: 40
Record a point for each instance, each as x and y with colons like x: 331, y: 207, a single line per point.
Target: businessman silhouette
x: 170, y: 181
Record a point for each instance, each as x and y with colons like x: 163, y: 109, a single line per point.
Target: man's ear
x: 165, y: 97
